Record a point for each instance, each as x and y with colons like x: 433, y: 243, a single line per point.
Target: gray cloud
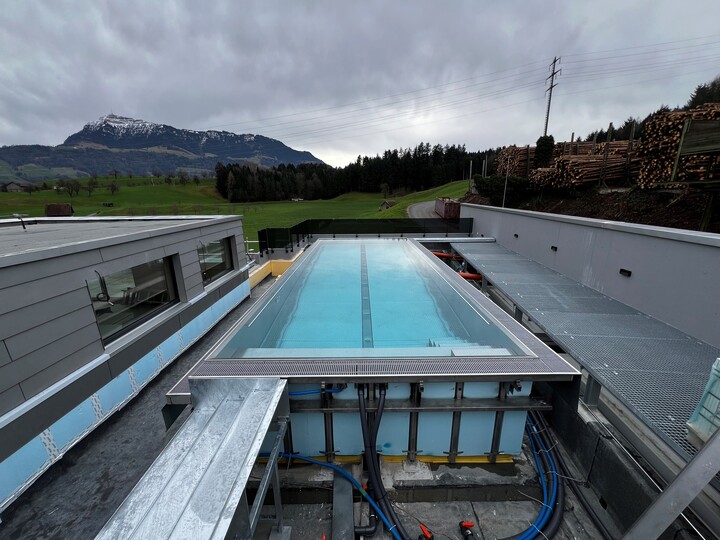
x: 284, y: 69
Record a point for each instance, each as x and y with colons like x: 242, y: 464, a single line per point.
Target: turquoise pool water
x: 365, y: 298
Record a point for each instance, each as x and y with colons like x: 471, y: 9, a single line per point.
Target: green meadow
x: 153, y: 197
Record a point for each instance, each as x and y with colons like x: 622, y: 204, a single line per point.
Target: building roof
x: 49, y: 237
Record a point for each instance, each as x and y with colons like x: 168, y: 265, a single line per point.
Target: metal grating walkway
x: 655, y: 370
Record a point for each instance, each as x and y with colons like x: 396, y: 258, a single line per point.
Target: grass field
x: 152, y: 197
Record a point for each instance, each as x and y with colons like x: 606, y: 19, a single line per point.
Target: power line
x: 436, y: 121
x: 378, y: 98
x: 642, y: 46
x: 461, y: 90
x: 634, y: 83
x: 675, y: 50
x: 630, y: 70
x: 415, y: 111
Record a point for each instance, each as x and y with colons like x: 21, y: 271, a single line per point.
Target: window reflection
x: 215, y: 259
x: 124, y: 299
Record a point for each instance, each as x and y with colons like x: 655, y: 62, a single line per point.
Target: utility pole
x: 553, y: 73
x: 507, y: 173
x: 470, y: 178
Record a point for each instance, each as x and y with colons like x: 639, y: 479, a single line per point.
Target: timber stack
x: 570, y: 171
x: 577, y: 148
x: 516, y: 161
x: 662, y: 136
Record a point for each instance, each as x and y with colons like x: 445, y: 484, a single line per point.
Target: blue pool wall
x: 434, y: 428
x: 22, y: 467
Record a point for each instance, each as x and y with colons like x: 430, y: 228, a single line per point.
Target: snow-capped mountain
x: 126, y: 145
x: 122, y: 133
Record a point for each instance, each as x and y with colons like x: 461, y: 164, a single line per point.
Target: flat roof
x: 78, y: 234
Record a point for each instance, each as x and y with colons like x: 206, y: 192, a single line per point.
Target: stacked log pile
x: 662, y: 134
x: 574, y: 170
x: 617, y: 148
x: 543, y: 176
x: 513, y: 160
x: 577, y: 148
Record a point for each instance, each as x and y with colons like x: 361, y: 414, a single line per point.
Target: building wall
x: 673, y: 272
x: 57, y: 379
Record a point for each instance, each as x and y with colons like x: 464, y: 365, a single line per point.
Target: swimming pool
x: 368, y: 298
x: 368, y: 313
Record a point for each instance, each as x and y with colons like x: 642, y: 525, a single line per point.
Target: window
x: 215, y: 259
x: 125, y: 299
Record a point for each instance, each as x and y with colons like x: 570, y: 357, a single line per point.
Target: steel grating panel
x: 609, y: 325
x: 544, y: 289
x: 360, y: 368
x: 600, y: 305
x: 493, y: 257
x: 525, y: 278
x: 657, y: 371
x: 515, y: 267
x: 683, y: 356
x: 650, y: 400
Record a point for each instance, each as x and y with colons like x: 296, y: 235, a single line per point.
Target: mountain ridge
x: 130, y: 145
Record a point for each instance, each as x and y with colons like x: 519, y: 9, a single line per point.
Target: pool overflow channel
x: 451, y: 399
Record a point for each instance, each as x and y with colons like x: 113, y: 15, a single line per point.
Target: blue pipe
x: 355, y: 483
x: 553, y: 498
x: 547, y: 509
x: 315, y: 391
x: 543, y: 483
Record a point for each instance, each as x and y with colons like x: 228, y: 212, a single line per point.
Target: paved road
x: 422, y: 210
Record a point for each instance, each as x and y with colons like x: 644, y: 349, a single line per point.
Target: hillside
x: 138, y: 147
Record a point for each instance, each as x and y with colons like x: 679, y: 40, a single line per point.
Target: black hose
x: 374, y: 483
x: 371, y: 528
x: 376, y: 459
x: 597, y: 522
x: 367, y: 530
x: 375, y: 480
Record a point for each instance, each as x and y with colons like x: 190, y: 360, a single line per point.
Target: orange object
x: 466, y: 530
x: 426, y: 532
x: 468, y: 275
x: 446, y: 255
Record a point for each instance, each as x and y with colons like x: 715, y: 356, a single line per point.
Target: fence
x: 286, y: 238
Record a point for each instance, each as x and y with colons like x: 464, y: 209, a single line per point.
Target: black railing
x: 287, y: 238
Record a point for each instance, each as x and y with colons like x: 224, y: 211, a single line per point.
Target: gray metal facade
x: 51, y: 353
x: 672, y: 273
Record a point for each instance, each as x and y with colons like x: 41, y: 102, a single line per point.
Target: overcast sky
x: 346, y: 78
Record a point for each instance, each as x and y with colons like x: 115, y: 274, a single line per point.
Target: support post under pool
x: 497, y: 428
x: 455, y: 429
x: 412, y: 451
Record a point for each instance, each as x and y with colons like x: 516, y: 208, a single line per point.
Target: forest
x: 394, y: 172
